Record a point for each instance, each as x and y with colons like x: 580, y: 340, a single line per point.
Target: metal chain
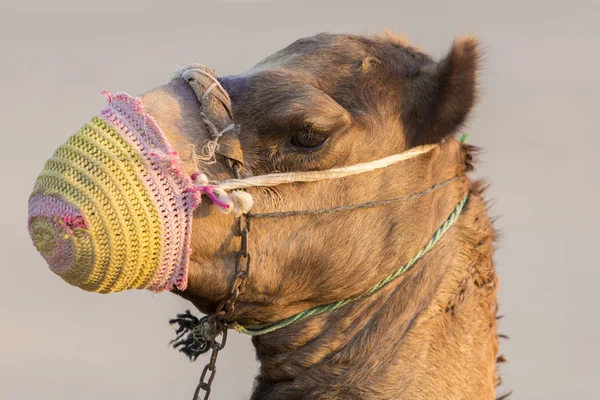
x: 226, y: 308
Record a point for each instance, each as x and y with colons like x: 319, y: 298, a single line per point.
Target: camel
x: 335, y: 100
x: 325, y: 102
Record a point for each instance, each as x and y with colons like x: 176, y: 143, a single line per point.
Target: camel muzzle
x: 111, y: 209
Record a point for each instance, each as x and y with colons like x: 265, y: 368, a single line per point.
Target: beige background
x: 537, y: 123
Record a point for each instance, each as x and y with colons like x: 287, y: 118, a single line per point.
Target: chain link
x: 226, y: 308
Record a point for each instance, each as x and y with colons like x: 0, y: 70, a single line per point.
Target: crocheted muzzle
x: 111, y: 209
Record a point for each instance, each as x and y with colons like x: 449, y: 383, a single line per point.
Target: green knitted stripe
x: 273, y: 326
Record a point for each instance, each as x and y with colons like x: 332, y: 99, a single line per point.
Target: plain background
x: 537, y: 123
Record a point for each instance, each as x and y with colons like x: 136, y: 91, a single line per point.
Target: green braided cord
x: 273, y: 326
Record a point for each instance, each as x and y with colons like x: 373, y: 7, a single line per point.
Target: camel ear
x: 439, y: 97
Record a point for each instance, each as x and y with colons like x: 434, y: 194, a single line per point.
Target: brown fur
x: 430, y: 334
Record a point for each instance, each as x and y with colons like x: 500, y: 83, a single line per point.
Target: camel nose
x: 111, y: 209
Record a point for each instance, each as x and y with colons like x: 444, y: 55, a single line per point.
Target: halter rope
x: 239, y: 202
x: 271, y: 327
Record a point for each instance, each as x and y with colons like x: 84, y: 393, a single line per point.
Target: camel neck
x: 350, y: 346
x: 386, y: 345
x: 332, y: 307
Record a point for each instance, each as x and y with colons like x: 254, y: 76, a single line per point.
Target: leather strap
x: 216, y: 104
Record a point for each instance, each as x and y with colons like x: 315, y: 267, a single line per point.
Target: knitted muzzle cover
x: 112, y: 209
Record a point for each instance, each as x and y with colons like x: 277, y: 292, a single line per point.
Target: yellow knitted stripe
x: 69, y: 155
x: 91, y: 162
x: 149, y: 229
x: 71, y: 185
x: 96, y: 157
x: 85, y: 252
x: 133, y: 203
x: 122, y: 279
x: 51, y: 184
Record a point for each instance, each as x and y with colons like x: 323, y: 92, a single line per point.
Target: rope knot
x: 193, y: 335
x: 237, y: 202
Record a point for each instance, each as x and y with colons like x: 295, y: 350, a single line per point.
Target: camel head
x: 322, y: 102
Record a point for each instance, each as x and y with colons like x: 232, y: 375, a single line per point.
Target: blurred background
x: 536, y: 122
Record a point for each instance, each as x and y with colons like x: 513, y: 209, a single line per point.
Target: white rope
x: 312, y: 176
x: 241, y: 202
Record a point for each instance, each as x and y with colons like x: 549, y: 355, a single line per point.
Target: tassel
x: 194, y: 335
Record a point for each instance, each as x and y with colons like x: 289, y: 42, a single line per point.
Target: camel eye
x: 309, y: 139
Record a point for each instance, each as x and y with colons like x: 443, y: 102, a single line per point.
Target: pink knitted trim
x: 166, y: 182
